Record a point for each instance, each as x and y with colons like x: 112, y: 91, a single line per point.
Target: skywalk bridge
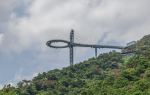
x: 71, y: 44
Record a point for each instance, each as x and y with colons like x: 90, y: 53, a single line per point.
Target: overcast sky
x: 26, y: 25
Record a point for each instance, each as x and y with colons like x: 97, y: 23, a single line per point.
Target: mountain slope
x: 110, y: 74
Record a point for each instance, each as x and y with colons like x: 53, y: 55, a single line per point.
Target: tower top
x: 72, y: 31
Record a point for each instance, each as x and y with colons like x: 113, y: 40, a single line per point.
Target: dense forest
x: 110, y: 73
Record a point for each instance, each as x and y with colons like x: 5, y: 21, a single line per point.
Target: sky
x: 26, y: 26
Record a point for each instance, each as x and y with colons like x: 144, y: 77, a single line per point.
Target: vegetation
x: 110, y: 74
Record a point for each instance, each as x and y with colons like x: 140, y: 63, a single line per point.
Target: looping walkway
x: 70, y: 44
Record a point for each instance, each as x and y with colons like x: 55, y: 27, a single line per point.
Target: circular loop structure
x: 49, y: 43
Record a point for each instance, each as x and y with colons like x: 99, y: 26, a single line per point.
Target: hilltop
x: 109, y: 74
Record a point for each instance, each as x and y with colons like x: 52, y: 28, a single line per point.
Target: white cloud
x: 46, y: 21
x: 6, y: 7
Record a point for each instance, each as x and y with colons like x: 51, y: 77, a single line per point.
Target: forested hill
x: 110, y: 74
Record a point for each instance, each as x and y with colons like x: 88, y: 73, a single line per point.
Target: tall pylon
x: 71, y: 47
